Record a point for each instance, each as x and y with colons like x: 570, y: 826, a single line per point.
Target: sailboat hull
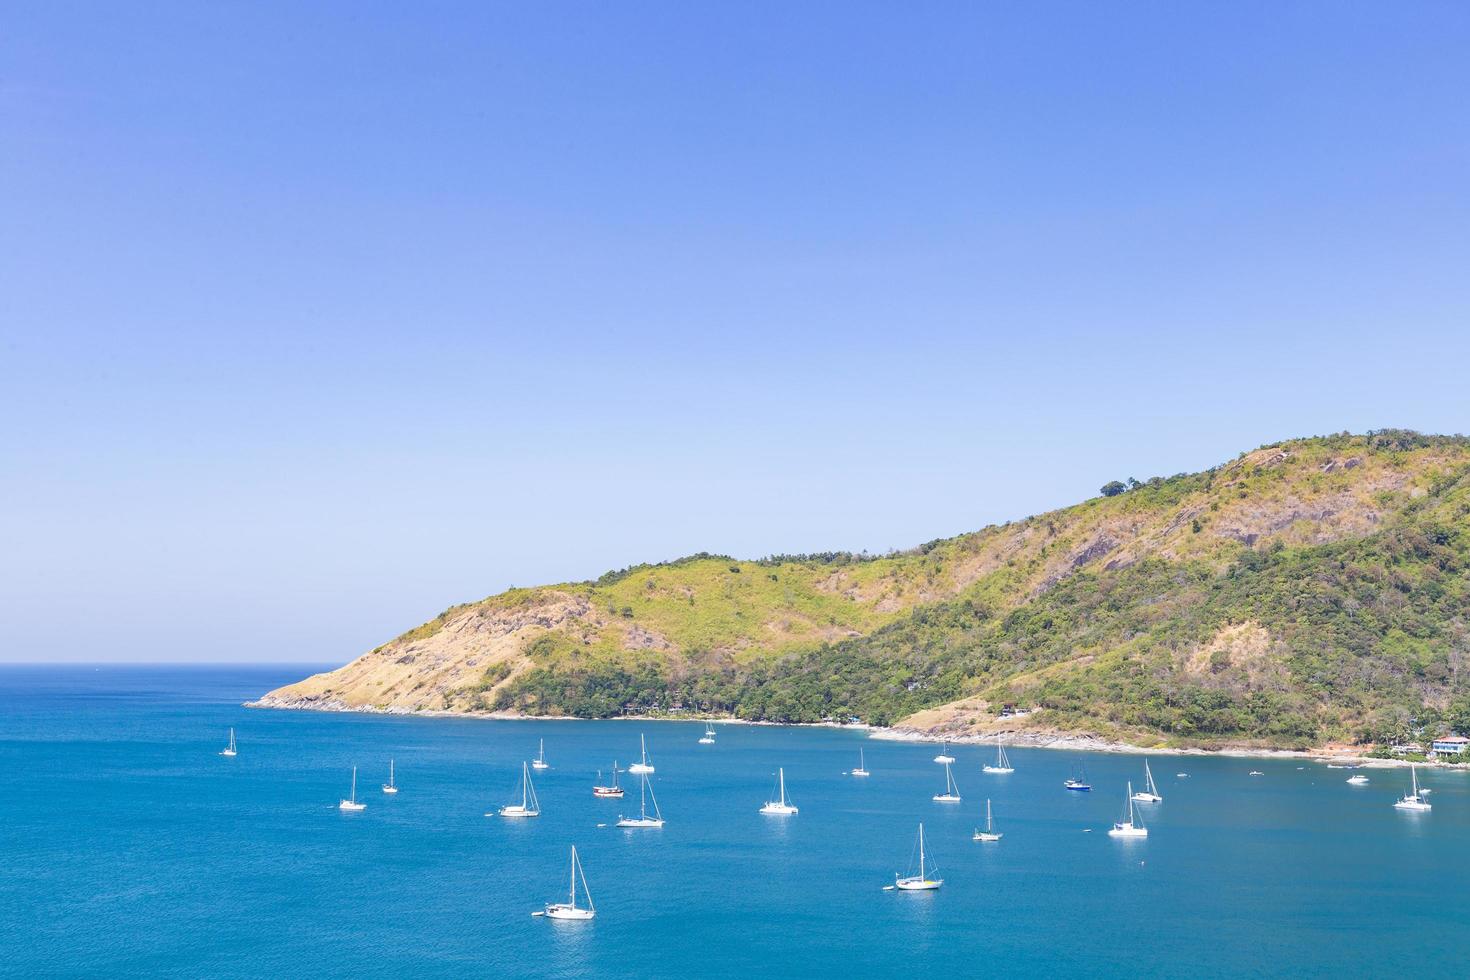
x: 347, y: 806
x: 917, y: 884
x: 540, y: 765
x: 640, y: 822
x: 946, y: 798
x: 568, y: 912
x: 779, y: 809
x: 987, y: 837
x: 639, y: 767
x: 1147, y: 798
x: 861, y: 772
x: 607, y: 793
x: 518, y: 812
x: 1127, y: 830
x: 390, y: 790
x: 943, y: 759
x: 998, y: 769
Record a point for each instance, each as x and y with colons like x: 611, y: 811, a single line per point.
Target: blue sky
x: 315, y: 319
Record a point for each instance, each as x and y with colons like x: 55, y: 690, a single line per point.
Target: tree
x: 1112, y: 489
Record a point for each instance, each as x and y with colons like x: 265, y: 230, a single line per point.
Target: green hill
x: 1308, y: 591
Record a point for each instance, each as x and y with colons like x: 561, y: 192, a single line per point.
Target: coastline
x: 1057, y: 741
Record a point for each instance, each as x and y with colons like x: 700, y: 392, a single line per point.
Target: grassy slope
x: 1284, y: 597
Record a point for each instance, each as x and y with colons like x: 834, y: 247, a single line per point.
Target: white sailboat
x: 781, y: 805
x: 861, y: 769
x: 1002, y: 762
x: 951, y: 792
x: 920, y: 882
x: 540, y: 761
x: 229, y: 751
x: 390, y: 786
x: 613, y: 792
x: 350, y: 805
x: 1415, y: 800
x: 569, y: 909
x: 642, y: 765
x: 708, y: 738
x: 1131, y: 826
x: 988, y: 834
x: 645, y: 793
x: 943, y: 758
x: 529, y: 805
x: 1150, y: 794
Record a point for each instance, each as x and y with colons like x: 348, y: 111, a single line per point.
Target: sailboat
x: 781, y: 805
x: 943, y: 758
x: 1415, y: 800
x: 350, y: 805
x: 390, y: 786
x: 613, y: 792
x: 642, y: 765
x: 1131, y: 826
x: 951, y: 792
x: 920, y: 882
x: 1002, y: 763
x: 988, y: 834
x: 861, y: 770
x: 540, y: 761
x: 229, y: 751
x: 529, y: 805
x: 569, y: 909
x: 708, y: 738
x: 645, y: 793
x: 1078, y: 783
x: 1151, y: 793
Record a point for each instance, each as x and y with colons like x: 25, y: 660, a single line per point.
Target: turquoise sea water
x: 128, y: 847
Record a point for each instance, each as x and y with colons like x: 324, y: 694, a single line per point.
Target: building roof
x: 1457, y: 739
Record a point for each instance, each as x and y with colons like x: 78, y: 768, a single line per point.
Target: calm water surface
x: 128, y: 847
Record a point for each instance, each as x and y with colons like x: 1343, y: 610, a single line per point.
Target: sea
x: 130, y: 847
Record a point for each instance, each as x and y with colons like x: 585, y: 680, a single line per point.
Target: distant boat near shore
x: 529, y: 806
x: 229, y: 750
x: 350, y: 805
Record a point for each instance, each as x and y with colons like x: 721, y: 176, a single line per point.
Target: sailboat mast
x: 354, y: 784
x: 525, y: 784
x: 781, y: 775
x: 573, y: 897
x: 921, y: 852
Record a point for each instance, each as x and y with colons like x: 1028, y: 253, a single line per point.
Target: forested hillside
x: 1309, y: 590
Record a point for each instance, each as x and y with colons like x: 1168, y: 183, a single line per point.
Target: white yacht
x: 988, y: 834
x: 1130, y: 825
x: 350, y: 805
x: 229, y: 750
x: 1150, y: 792
x: 951, y: 792
x: 944, y: 758
x: 920, y: 882
x: 569, y: 909
x: 862, y: 768
x: 781, y: 805
x: 540, y: 761
x: 1357, y: 779
x: 390, y: 786
x: 1002, y: 763
x: 613, y: 792
x: 645, y: 793
x: 642, y: 766
x: 529, y: 805
x: 1415, y: 800
x: 708, y: 738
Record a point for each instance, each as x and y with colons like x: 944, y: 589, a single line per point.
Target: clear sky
x: 317, y: 318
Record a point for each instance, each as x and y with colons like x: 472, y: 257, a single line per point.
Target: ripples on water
x: 127, y: 846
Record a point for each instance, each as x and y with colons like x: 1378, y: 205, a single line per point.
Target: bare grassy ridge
x: 1309, y: 589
